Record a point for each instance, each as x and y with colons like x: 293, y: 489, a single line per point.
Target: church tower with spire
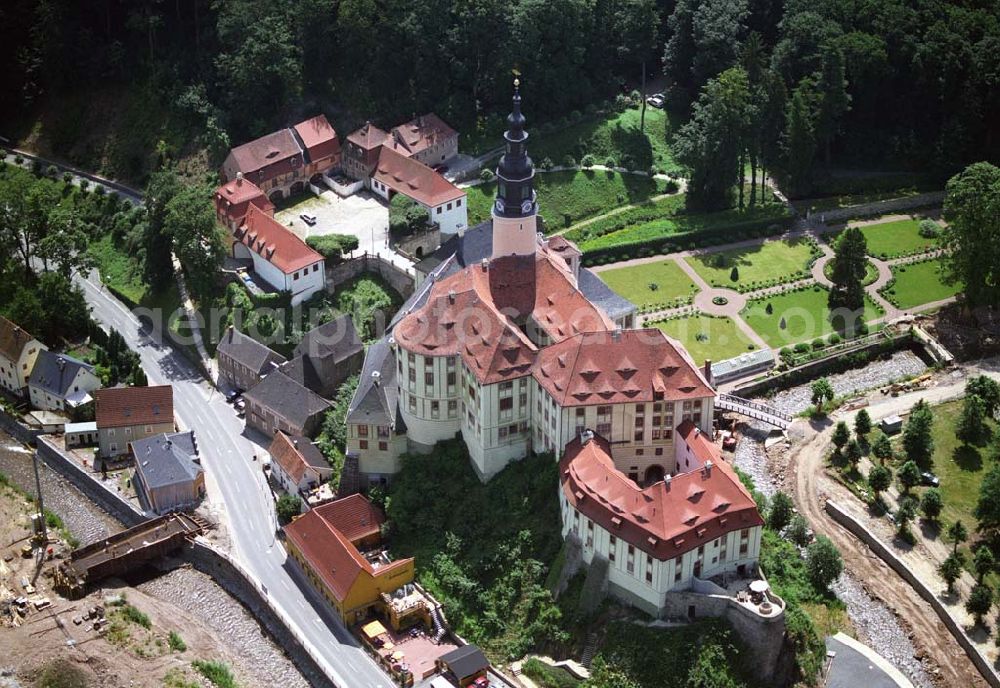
x: 516, y: 208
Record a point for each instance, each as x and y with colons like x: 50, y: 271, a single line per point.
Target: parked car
x: 657, y: 100
x: 232, y: 396
x: 308, y: 218
x: 240, y: 404
x: 481, y: 682
x: 929, y: 479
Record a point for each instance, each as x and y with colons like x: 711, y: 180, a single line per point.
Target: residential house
x: 80, y: 434
x: 233, y: 199
x: 18, y: 351
x: 243, y: 361
x: 168, y: 472
x: 327, y: 355
x: 280, y: 403
x: 376, y: 432
x: 464, y: 664
x: 360, y: 154
x: 283, y: 162
x: 297, y: 465
x: 280, y: 257
x: 445, y: 203
x: 427, y: 138
x: 128, y: 414
x: 333, y: 544
x: 61, y: 383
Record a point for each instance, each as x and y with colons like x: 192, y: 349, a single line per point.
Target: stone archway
x: 297, y: 188
x: 420, y: 252
x: 653, y: 474
x: 276, y: 196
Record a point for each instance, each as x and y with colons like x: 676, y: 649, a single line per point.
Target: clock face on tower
x: 499, y: 205
x: 526, y: 207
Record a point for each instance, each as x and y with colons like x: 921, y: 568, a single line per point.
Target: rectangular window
x: 502, y: 432
x: 295, y: 275
x: 678, y: 569
x: 412, y: 375
x: 506, y: 403
x: 612, y: 546
x: 522, y: 399
x: 458, y: 203
x: 639, y: 452
x: 363, y: 444
x: 316, y: 267
x: 604, y: 429
x: 438, y: 210
x: 449, y: 206
x: 649, y: 569
x: 413, y: 404
x: 639, y: 421
x: 435, y: 409
x: 362, y: 431
x: 659, y: 451
x: 383, y: 446
x: 383, y: 431
x: 656, y: 436
x: 472, y: 392
x: 638, y: 435
x: 429, y: 379
x: 452, y: 408
x: 451, y: 379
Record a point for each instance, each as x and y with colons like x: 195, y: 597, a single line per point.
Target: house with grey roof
x: 168, y: 472
x: 243, y: 361
x: 18, y: 351
x: 327, y: 355
x: 278, y: 402
x: 376, y: 433
x: 61, y: 383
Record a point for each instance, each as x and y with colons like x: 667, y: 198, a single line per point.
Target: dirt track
x: 946, y: 662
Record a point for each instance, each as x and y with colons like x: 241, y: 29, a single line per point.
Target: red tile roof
x: 267, y: 157
x: 354, y: 516
x: 630, y: 366
x: 289, y: 453
x: 369, y: 137
x: 422, y: 133
x: 319, y: 138
x: 330, y: 553
x: 666, y: 519
x: 122, y: 406
x: 475, y: 313
x: 277, y: 244
x: 412, y: 178
x: 233, y: 198
x: 13, y: 339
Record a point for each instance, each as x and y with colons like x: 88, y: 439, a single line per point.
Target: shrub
x: 569, y: 161
x: 288, y: 507
x: 19, y: 159
x: 546, y: 164
x: 611, y: 162
x: 801, y: 348
x: 218, y: 673
x: 671, y: 186
x: 834, y: 338
x: 620, y: 103
x: 487, y: 175
x: 52, y: 171
x: 176, y: 642
x: 67, y: 176
x: 84, y: 184
x: 817, y: 344
x: 588, y: 161
x: 929, y: 229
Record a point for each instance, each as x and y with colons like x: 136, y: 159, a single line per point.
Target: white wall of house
x: 84, y: 381
x: 496, y: 423
x: 114, y: 441
x: 378, y: 450
x: 14, y: 374
x: 451, y: 217
x: 632, y: 573
x: 311, y: 278
x: 429, y: 396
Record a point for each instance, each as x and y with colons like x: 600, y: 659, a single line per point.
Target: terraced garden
x: 772, y: 262
x: 803, y: 312
x: 705, y: 336
x: 650, y: 284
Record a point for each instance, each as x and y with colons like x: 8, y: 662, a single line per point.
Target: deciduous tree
x: 823, y: 563
x: 972, y: 428
x: 972, y: 235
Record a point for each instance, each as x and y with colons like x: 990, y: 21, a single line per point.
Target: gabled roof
x: 331, y: 555
x: 274, y: 242
x: 248, y: 351
x: 465, y: 661
x: 337, y: 339
x: 422, y: 132
x: 278, y: 149
x: 369, y: 137
x: 54, y: 373
x: 412, y: 178
x: 668, y: 518
x: 375, y: 399
x: 13, y: 339
x: 287, y: 397
x: 124, y: 406
x: 318, y: 138
x: 296, y: 454
x: 354, y: 516
x: 167, y: 459
x: 233, y: 198
x: 629, y: 366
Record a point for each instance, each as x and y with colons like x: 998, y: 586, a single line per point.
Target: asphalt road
x: 226, y: 455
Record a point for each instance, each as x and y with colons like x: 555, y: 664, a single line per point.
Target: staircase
x: 753, y: 409
x: 594, y: 585
x: 439, y: 629
x: 589, y: 649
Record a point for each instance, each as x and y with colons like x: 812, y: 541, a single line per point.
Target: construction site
x: 111, y: 613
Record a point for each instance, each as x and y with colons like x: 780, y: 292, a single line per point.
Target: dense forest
x: 909, y: 84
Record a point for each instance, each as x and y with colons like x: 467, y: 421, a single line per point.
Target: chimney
x: 708, y: 468
x: 61, y: 362
x: 376, y: 378
x: 461, y: 231
x: 451, y: 296
x: 616, y: 334
x: 239, y: 179
x: 667, y: 480
x: 295, y: 443
x: 485, y: 264
x: 707, y: 369
x: 586, y: 436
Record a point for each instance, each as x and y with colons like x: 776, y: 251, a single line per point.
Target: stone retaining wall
x: 89, y: 483
x: 881, y: 207
x: 13, y: 427
x: 398, y: 279
x: 838, y: 514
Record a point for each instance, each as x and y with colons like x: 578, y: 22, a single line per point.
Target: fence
x: 881, y: 207
x: 838, y: 514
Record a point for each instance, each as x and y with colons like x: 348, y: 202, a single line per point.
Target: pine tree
x: 882, y: 448
x: 800, y: 140
x: 951, y: 570
x: 918, y: 442
x: 849, y: 264
x: 841, y: 436
x: 958, y: 534
x: 863, y: 422
x: 972, y: 428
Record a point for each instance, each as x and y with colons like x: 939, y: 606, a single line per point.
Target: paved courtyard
x: 362, y: 215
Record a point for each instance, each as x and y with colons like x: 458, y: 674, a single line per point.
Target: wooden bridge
x: 126, y: 551
x: 753, y: 409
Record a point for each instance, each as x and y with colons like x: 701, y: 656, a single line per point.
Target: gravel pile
x: 750, y: 458
x: 879, y: 629
x: 899, y: 365
x: 200, y: 596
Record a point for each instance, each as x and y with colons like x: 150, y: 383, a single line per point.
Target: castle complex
x: 512, y: 351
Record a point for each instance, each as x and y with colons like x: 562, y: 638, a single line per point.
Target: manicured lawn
x: 919, y: 283
x: 775, y: 260
x: 615, y: 136
x: 896, y: 238
x: 569, y: 196
x: 960, y: 469
x: 805, y: 314
x: 706, y: 337
x: 634, y: 282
